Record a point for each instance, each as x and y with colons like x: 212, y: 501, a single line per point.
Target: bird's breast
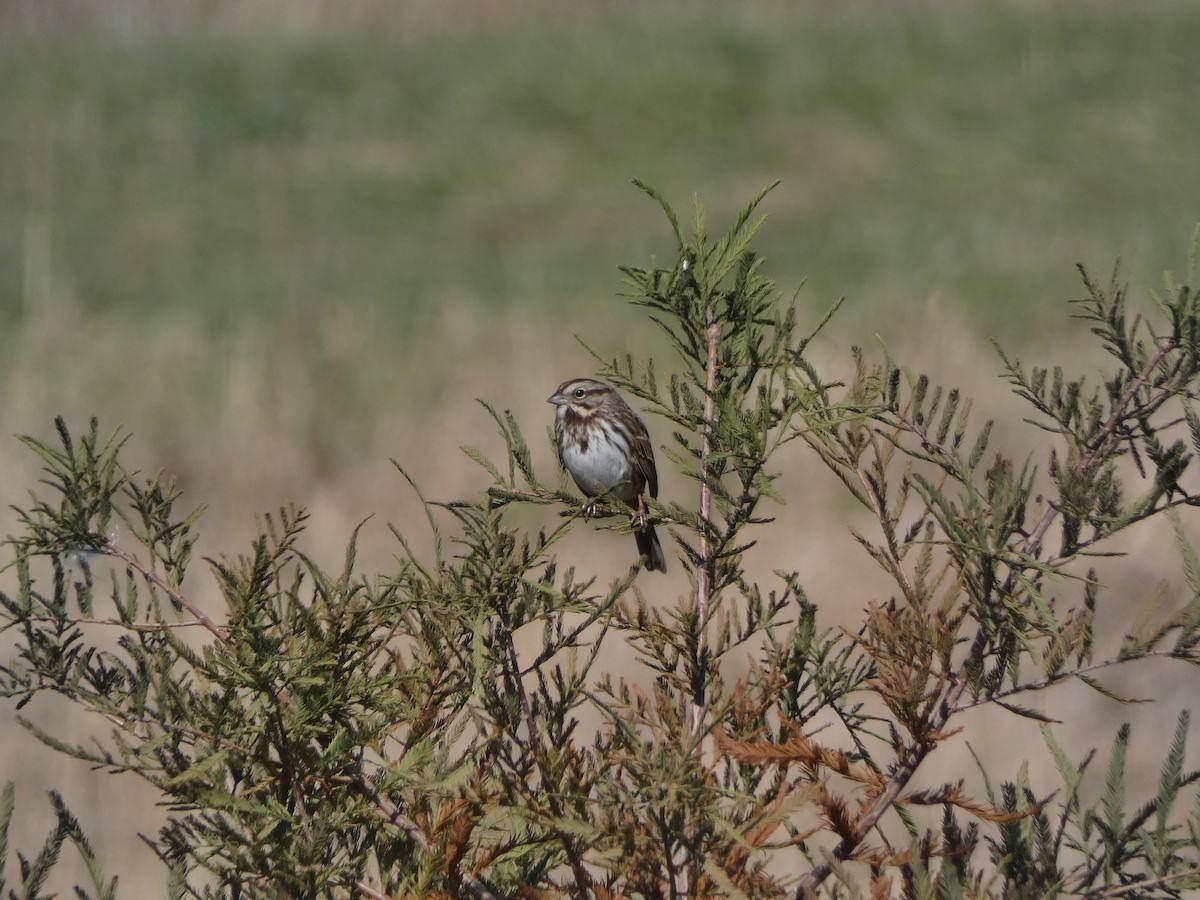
x: 599, y: 465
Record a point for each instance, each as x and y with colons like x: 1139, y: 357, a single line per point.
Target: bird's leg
x: 639, y: 518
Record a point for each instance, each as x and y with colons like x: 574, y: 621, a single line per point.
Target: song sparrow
x: 606, y: 448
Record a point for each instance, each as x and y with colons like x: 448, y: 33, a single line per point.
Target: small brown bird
x: 604, y: 444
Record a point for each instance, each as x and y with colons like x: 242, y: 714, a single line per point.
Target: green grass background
x: 282, y: 243
x: 312, y: 204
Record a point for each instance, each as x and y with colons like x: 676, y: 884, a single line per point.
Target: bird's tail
x: 649, y: 547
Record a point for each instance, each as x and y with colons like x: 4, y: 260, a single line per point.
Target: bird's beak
x: 556, y: 399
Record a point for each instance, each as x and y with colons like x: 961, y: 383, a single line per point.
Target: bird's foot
x: 639, y: 519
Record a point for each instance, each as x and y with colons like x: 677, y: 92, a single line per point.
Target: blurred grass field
x: 281, y: 243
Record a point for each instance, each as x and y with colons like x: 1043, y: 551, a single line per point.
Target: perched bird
x: 604, y: 444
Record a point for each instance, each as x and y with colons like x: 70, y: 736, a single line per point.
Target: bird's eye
x: 579, y: 392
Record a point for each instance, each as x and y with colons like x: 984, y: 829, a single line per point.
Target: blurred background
x: 284, y: 242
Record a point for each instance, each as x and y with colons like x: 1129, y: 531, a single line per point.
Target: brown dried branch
x: 474, y: 887
x: 833, y: 810
x: 798, y: 749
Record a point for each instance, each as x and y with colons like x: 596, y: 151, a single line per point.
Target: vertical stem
x: 704, y: 578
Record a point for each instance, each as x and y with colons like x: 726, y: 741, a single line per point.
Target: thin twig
x: 1031, y: 686
x: 367, y: 891
x: 1082, y: 546
x: 592, y: 509
x: 1107, y: 430
x: 1140, y: 886
x: 154, y: 578
x: 133, y: 626
x: 878, y: 501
